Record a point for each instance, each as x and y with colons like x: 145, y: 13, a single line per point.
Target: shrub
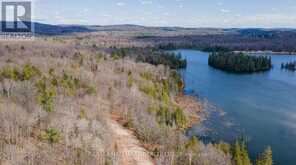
x: 90, y: 90
x: 165, y: 93
x: 46, y: 95
x: 82, y: 114
x: 192, y: 144
x: 146, y: 75
x: 149, y: 89
x: 224, y: 147
x: 115, y: 56
x: 70, y: 84
x: 177, y: 81
x: 27, y: 73
x: 30, y: 71
x: 51, y: 135
x: 164, y: 116
x: 11, y: 73
x: 180, y: 118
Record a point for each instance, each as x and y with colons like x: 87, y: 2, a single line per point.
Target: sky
x: 185, y: 13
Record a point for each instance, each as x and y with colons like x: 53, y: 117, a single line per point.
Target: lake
x: 261, y: 106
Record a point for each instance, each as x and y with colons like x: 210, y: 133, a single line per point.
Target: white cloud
x: 146, y: 2
x: 224, y: 11
x: 120, y: 4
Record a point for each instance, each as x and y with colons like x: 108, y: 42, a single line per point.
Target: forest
x: 239, y: 62
x: 289, y: 66
x: 242, y: 40
x: 151, y: 56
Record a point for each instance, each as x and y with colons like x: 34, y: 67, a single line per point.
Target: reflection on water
x: 261, y: 106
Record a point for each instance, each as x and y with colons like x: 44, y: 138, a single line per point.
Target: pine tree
x: 265, y: 158
x: 237, y: 154
x: 240, y: 153
x: 239, y: 62
x: 245, y: 155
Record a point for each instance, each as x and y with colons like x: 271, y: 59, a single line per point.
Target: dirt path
x: 128, y: 147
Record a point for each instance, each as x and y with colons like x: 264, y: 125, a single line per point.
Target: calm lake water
x: 261, y: 106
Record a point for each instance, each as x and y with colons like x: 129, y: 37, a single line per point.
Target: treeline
x: 205, y: 48
x: 151, y: 56
x: 277, y: 41
x: 289, y: 66
x: 240, y: 155
x: 239, y: 62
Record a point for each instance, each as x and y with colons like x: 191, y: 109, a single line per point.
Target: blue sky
x: 187, y: 13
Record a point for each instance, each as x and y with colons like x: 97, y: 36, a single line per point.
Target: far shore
x: 267, y: 52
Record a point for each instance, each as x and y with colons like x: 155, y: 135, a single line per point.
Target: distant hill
x: 47, y: 29
x: 242, y: 39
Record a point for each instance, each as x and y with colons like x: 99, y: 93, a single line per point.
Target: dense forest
x: 276, y: 41
x: 239, y: 62
x: 151, y: 56
x: 289, y: 66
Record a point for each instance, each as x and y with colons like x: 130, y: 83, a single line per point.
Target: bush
x: 27, y: 73
x: 82, y: 114
x: 90, y: 90
x: 192, y: 144
x: 30, y: 71
x: 164, y: 116
x: 46, y: 95
x: 180, y: 118
x: 11, y: 73
x: 51, y: 135
x: 224, y: 147
x: 149, y: 89
x: 146, y: 75
x: 70, y: 84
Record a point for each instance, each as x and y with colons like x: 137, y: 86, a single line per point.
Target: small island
x: 239, y: 62
x: 289, y: 66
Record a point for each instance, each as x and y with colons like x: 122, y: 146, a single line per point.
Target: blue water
x: 261, y: 106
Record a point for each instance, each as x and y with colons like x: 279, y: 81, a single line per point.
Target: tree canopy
x: 239, y: 62
x: 289, y: 66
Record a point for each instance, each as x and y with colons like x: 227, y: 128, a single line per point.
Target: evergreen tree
x: 237, y: 154
x: 289, y: 66
x: 245, y: 155
x: 239, y: 62
x: 265, y: 158
x: 240, y: 153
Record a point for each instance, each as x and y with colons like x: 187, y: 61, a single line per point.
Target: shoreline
x: 267, y: 52
x: 257, y: 52
x: 192, y: 107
